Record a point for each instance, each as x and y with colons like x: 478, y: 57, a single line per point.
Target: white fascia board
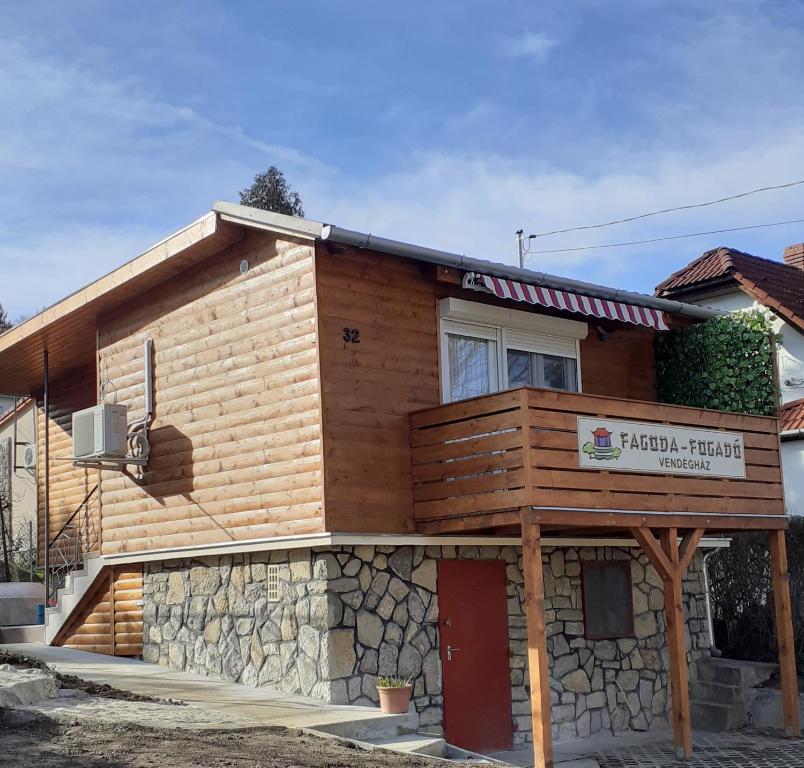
x: 317, y: 540
x: 268, y: 220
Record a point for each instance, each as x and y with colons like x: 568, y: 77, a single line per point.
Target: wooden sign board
x: 636, y: 446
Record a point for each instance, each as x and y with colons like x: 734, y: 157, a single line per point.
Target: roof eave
x: 457, y: 261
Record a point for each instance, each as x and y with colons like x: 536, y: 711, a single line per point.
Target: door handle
x: 450, y: 651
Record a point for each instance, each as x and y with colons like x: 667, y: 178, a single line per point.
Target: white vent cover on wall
x: 272, y: 583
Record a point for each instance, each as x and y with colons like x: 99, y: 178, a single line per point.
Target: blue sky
x: 448, y: 124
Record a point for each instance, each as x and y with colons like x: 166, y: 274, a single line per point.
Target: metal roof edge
x: 356, y: 239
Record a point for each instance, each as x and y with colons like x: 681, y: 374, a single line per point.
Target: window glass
x: 537, y: 370
x: 519, y: 369
x: 470, y: 361
x: 608, y: 610
x: 558, y: 373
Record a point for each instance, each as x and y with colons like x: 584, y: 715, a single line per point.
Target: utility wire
x: 669, y: 210
x: 662, y: 239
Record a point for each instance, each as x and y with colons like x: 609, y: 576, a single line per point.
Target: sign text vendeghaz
x: 637, y: 446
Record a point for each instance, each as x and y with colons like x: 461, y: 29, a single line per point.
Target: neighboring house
x: 18, y: 476
x: 366, y: 457
x: 732, y: 281
x: 6, y: 405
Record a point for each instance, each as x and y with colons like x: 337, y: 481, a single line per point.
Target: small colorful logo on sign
x: 600, y: 446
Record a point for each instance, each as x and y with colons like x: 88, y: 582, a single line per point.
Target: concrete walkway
x: 263, y: 705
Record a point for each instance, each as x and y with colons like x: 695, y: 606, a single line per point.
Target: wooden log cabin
x: 353, y: 457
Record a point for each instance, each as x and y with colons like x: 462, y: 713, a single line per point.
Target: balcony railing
x: 521, y: 448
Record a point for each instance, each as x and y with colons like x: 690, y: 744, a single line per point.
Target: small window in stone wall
x: 272, y: 582
x: 608, y: 608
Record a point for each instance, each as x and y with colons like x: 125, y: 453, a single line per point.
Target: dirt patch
x: 39, y: 741
x: 70, y: 681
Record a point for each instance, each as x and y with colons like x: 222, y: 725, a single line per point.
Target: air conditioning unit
x: 100, y: 432
x: 29, y: 456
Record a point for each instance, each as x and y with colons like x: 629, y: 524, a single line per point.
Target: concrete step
x: 734, y: 672
x: 362, y: 728
x: 414, y: 744
x: 717, y: 693
x: 25, y: 633
x: 69, y: 597
x: 711, y: 716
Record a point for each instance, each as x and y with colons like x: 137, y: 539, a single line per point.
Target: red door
x: 473, y: 622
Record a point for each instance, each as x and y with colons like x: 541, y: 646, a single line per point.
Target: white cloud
x: 531, y: 45
x: 474, y: 204
x: 95, y: 170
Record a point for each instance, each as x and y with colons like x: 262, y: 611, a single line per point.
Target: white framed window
x: 486, y: 349
x: 471, y: 355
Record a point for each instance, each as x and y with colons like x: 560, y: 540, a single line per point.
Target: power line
x: 669, y: 210
x: 662, y: 239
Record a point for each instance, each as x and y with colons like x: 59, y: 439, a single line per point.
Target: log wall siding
x: 623, y: 365
x: 68, y: 484
x: 368, y: 389
x: 236, y: 439
x: 109, y: 619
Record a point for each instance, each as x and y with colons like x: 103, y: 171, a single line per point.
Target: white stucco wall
x: 791, y: 368
x: 23, y: 502
x: 793, y: 469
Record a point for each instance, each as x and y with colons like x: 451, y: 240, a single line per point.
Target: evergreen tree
x: 271, y: 192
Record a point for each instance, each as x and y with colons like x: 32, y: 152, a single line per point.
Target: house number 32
x: 351, y: 335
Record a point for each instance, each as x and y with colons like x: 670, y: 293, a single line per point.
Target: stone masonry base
x: 345, y: 615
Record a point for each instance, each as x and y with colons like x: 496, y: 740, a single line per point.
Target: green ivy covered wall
x: 725, y: 363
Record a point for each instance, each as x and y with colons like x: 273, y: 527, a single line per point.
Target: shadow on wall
x: 170, y: 465
x: 171, y: 471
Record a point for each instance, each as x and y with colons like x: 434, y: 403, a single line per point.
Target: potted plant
x: 394, y: 694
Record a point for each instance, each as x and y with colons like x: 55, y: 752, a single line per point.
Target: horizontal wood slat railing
x: 520, y: 448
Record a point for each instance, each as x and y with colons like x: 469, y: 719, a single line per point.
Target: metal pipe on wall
x: 149, y: 379
x: 46, y: 408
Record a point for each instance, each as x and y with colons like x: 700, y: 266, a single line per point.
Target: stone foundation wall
x: 212, y: 616
x: 348, y: 614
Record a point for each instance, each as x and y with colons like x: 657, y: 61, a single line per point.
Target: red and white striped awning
x: 569, y: 302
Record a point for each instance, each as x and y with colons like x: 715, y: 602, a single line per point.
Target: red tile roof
x: 791, y: 416
x: 774, y: 284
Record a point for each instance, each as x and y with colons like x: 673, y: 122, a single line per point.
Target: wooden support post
x: 111, y: 611
x: 679, y: 674
x: 537, y: 644
x: 671, y: 563
x: 783, y: 617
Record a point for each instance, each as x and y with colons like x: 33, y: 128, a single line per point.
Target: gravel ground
x: 96, y: 726
x: 74, y: 705
x: 29, y: 739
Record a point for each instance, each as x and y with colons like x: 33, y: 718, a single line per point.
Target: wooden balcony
x: 478, y: 463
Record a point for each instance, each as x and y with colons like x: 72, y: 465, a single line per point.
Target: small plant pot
x: 395, y: 701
